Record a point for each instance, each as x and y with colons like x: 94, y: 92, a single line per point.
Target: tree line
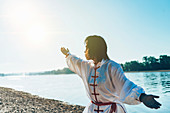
x: 149, y: 64
x: 53, y: 72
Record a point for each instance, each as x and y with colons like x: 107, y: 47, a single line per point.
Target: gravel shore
x: 12, y: 101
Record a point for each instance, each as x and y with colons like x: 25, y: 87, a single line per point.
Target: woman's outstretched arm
x: 76, y: 64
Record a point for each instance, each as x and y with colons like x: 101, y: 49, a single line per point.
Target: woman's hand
x: 149, y: 101
x: 64, y: 51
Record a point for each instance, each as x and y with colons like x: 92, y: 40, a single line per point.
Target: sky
x: 33, y: 31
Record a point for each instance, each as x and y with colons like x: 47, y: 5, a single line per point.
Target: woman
x: 106, y: 85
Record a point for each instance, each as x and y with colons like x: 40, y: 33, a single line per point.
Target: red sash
x: 113, y: 105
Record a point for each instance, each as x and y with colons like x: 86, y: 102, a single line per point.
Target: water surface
x: 69, y: 88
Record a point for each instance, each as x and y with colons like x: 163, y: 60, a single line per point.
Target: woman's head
x: 96, y: 48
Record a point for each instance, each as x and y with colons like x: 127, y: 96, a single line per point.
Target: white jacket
x: 109, y: 84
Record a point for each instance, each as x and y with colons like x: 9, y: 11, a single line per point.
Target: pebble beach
x: 13, y: 101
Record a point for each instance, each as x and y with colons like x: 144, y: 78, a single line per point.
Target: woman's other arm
x: 130, y: 93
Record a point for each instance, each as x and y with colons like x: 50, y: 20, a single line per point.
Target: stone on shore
x: 12, y: 101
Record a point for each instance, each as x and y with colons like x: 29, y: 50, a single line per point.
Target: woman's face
x: 87, y: 52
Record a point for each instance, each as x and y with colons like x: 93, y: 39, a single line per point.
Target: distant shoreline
x: 53, y: 72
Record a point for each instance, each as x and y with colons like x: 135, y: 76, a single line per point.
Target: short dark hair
x: 97, y: 47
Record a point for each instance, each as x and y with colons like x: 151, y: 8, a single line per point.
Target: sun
x: 36, y: 34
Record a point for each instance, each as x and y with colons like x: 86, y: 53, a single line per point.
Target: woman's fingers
x: 155, y: 96
x: 155, y: 106
x: 64, y: 51
x: 62, y: 48
x: 158, y: 103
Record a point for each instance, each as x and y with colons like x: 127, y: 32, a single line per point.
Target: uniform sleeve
x: 77, y: 65
x: 128, y: 92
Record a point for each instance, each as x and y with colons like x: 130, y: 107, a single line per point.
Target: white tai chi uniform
x: 105, y: 83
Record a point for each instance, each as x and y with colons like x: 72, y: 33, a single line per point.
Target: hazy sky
x: 32, y: 31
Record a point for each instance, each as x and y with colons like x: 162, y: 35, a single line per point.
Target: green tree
x: 164, y: 61
x: 145, y: 63
x: 133, y: 66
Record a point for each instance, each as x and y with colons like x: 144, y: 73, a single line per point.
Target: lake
x: 68, y: 87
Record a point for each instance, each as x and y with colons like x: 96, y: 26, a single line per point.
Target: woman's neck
x: 97, y: 60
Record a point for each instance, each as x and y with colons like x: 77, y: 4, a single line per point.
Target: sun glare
x: 21, y: 12
x: 24, y: 18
